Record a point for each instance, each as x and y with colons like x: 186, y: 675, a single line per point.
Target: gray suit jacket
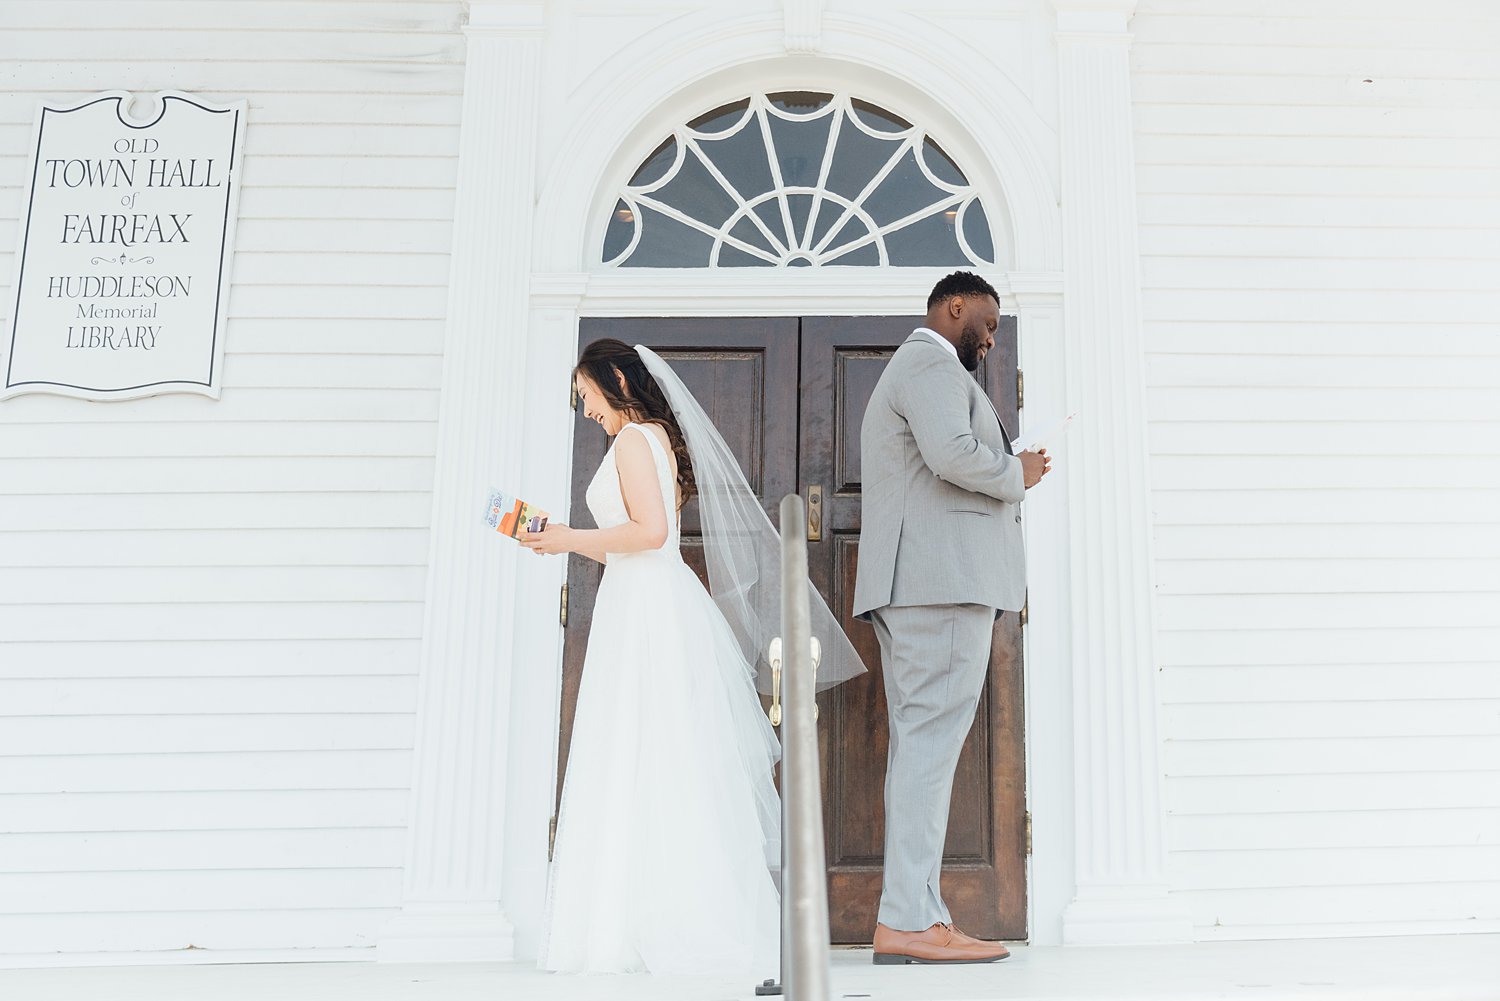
x: 941, y: 516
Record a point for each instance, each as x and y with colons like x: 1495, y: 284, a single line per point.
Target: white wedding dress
x: 669, y: 824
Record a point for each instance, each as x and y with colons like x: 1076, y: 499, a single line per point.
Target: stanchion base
x: 767, y: 988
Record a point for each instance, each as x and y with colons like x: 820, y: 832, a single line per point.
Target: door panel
x: 744, y: 373
x: 984, y: 856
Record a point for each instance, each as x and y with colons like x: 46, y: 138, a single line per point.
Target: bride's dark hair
x: 604, y: 362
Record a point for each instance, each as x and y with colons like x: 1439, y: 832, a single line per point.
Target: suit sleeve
x: 935, y: 402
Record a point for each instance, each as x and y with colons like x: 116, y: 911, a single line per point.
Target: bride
x: 669, y: 826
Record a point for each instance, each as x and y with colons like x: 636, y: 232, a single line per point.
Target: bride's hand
x: 554, y: 540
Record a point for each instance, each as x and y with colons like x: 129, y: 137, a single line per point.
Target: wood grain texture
x: 984, y: 868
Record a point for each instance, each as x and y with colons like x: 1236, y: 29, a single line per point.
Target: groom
x: 939, y: 558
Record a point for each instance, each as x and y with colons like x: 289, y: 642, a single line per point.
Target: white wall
x: 1319, y: 195
x: 210, y: 611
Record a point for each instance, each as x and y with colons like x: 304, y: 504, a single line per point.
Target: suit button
x: 1018, y: 519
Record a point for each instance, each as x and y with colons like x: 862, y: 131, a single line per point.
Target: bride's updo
x: 602, y: 363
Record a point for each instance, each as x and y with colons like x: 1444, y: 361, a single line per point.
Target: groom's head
x: 965, y: 309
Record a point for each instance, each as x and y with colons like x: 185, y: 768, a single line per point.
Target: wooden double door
x: 788, y: 395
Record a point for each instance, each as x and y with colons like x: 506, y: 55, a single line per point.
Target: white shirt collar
x: 939, y: 338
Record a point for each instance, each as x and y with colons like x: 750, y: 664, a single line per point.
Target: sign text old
x: 123, y: 270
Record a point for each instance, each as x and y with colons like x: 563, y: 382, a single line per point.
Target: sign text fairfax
x: 123, y: 271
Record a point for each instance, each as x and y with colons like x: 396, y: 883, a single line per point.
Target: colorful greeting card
x: 510, y: 516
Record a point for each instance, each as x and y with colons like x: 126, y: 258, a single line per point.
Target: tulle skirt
x: 669, y: 829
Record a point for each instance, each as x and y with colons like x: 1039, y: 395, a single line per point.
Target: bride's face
x: 597, y: 409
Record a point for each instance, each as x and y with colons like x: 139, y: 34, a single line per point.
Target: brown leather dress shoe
x: 962, y: 936
x: 938, y: 944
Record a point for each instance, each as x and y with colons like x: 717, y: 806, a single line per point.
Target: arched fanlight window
x: 798, y: 180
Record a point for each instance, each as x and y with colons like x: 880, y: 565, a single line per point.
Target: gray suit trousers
x: 935, y: 658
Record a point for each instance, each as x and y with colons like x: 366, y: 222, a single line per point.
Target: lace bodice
x: 607, y: 503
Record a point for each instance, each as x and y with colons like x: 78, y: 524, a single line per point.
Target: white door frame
x: 510, y: 702
x: 718, y: 63
x: 560, y: 301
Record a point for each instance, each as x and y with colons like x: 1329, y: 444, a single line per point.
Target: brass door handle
x: 774, y: 656
x: 815, y: 514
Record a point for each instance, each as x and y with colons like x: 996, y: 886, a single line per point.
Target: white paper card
x: 1044, y: 437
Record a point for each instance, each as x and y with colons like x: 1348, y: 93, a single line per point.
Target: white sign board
x: 122, y: 278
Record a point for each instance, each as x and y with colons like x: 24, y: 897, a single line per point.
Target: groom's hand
x: 1035, y: 465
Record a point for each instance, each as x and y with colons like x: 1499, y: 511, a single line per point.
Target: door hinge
x: 552, y: 837
x: 562, y: 609
x: 1028, y: 832
x: 1025, y: 608
x: 1020, y: 389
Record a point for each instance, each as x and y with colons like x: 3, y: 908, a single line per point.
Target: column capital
x: 1028, y: 289
x: 498, y: 17
x: 558, y: 290
x: 1096, y: 20
x: 1116, y: 7
x: 804, y: 25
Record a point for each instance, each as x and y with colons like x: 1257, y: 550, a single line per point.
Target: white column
x: 537, y: 639
x: 455, y: 842
x: 1049, y: 709
x: 1121, y: 890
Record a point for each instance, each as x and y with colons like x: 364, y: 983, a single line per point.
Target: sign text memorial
x: 122, y: 279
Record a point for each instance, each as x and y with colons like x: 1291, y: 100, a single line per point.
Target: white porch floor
x: 1429, y: 968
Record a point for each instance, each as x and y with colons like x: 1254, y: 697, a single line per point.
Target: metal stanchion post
x: 804, y: 870
x: 772, y: 988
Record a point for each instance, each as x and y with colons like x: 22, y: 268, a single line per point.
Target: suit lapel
x: 917, y: 335
x: 1004, y: 434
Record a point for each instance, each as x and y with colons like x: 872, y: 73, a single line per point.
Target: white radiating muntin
x: 782, y: 240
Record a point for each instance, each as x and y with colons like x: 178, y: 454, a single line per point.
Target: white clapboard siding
x: 1384, y: 753
x: 210, y: 611
x: 212, y: 810
x: 419, y: 18
x: 237, y: 930
x: 168, y: 511
x: 99, y: 658
x: 228, y: 620
x: 83, y: 697
x: 172, y: 889
x: 226, y: 770
x: 1342, y: 829
x: 187, y: 850
x: 143, y: 440
x: 245, y: 404
x: 1319, y: 200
